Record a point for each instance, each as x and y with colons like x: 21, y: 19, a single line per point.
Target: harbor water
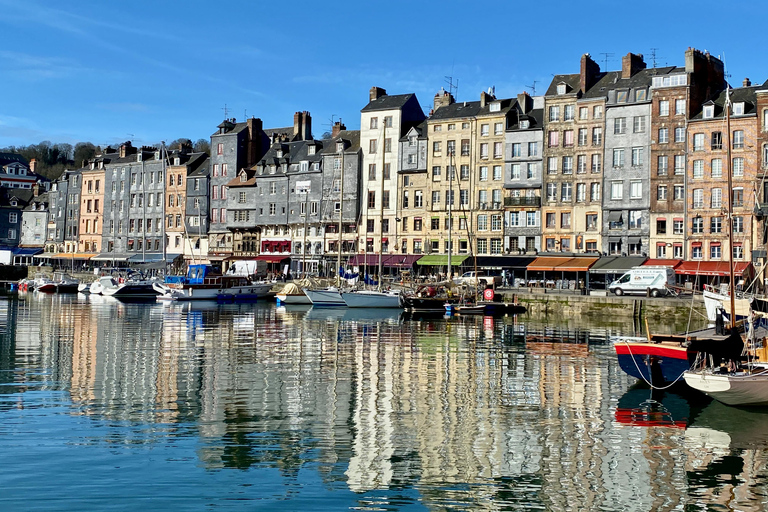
x: 199, y: 406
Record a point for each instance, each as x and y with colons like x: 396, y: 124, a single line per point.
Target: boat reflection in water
x: 342, y: 409
x: 725, y: 449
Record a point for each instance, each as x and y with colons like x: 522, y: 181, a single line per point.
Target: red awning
x: 711, y: 268
x: 387, y: 260
x: 272, y: 258
x: 663, y: 262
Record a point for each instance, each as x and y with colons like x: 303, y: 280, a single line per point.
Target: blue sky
x: 107, y: 71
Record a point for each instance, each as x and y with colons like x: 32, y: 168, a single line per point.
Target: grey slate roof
x: 456, y: 110
x: 350, y: 136
x: 386, y: 102
x: 7, y: 158
x: 747, y: 95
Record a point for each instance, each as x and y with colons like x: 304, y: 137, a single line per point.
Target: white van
x: 652, y: 280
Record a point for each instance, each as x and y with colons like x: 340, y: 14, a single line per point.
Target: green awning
x: 441, y: 259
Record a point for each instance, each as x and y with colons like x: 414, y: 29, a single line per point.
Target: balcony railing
x: 522, y: 201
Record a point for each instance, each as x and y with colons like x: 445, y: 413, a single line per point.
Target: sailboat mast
x: 450, y: 218
x: 381, y: 206
x: 341, y: 214
x: 732, y: 280
x: 164, y: 156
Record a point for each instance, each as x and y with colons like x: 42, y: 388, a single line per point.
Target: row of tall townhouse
x: 629, y: 162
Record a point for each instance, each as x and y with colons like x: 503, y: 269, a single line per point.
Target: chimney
x: 525, y: 102
x: 589, y: 73
x: 484, y: 98
x: 125, y: 149
x: 443, y: 98
x: 337, y: 128
x: 307, y: 126
x: 376, y: 93
x: 631, y: 64
x: 33, y: 166
x: 253, y: 144
x: 297, y: 124
x: 746, y: 83
x: 35, y: 189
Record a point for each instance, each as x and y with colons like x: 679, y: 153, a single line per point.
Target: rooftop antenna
x: 245, y: 113
x: 331, y: 123
x: 605, y: 58
x: 532, y: 87
x: 654, y: 57
x: 226, y: 111
x: 453, y: 87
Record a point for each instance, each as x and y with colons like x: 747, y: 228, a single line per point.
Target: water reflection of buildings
x: 465, y: 406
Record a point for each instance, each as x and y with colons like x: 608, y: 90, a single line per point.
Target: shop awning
x: 711, y: 268
x: 633, y: 240
x: 68, y: 256
x: 499, y: 262
x: 27, y: 251
x: 616, y: 264
x: 111, y: 256
x: 576, y: 264
x: 663, y: 262
x: 272, y: 258
x: 614, y: 216
x: 387, y: 260
x: 148, y: 257
x: 441, y: 259
x: 545, y: 263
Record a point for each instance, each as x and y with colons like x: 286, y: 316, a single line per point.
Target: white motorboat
x: 371, y: 299
x: 97, y: 287
x: 328, y: 297
x: 137, y: 289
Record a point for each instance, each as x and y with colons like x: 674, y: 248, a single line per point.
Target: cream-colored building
x: 382, y: 123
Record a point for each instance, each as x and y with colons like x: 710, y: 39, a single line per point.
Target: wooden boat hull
x: 658, y: 363
x: 731, y: 389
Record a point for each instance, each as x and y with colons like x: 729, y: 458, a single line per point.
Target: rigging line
x: 659, y: 388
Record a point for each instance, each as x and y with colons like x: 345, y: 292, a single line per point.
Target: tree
x: 84, y: 151
x: 178, y: 142
x: 202, y: 146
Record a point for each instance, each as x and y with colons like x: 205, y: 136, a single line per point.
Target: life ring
x: 488, y: 294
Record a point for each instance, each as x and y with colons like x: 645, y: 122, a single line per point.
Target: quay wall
x: 609, y: 308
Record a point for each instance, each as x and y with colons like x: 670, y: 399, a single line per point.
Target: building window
x: 738, y: 139
x: 637, y: 157
x: 679, y: 165
x: 697, y: 225
x: 597, y: 112
x: 597, y: 136
x: 679, y: 107
x: 716, y: 225
x: 485, y: 130
x: 553, y: 139
x: 617, y: 189
x: 738, y: 197
x: 738, y: 224
x: 638, y: 124
x: 567, y: 165
x: 698, y: 169
x: 738, y: 167
x: 554, y: 113
x: 594, y: 192
x: 596, y: 167
x: 635, y: 189
x: 680, y: 134
x: 664, y: 107
x: 635, y: 219
x: 533, y: 149
x: 619, y: 126
x: 568, y: 112
x: 679, y: 192
x: 220, y: 149
x: 663, y: 135
x: 484, y: 150
x: 662, y: 164
x: 698, y: 142
x: 661, y: 193
x: 717, y: 168
x: 618, y: 157
x: 698, y: 198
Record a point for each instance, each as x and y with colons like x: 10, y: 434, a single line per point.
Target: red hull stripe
x: 648, y: 349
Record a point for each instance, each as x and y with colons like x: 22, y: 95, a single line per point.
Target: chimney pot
x: 747, y: 82
x: 376, y: 93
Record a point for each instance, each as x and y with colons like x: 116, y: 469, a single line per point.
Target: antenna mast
x: 453, y: 88
x: 605, y: 58
x: 532, y: 87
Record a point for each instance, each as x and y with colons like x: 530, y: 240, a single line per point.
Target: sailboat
x: 331, y: 296
x: 375, y: 298
x: 740, y: 376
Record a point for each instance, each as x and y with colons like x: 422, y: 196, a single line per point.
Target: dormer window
x: 14, y: 203
x: 621, y: 96
x: 279, y: 153
x: 311, y: 150
x: 495, y: 106
x: 243, y: 177
x: 709, y: 111
x: 738, y: 108
x: 561, y: 88
x: 177, y: 161
x: 339, y: 146
x: 525, y: 124
x: 304, y: 166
